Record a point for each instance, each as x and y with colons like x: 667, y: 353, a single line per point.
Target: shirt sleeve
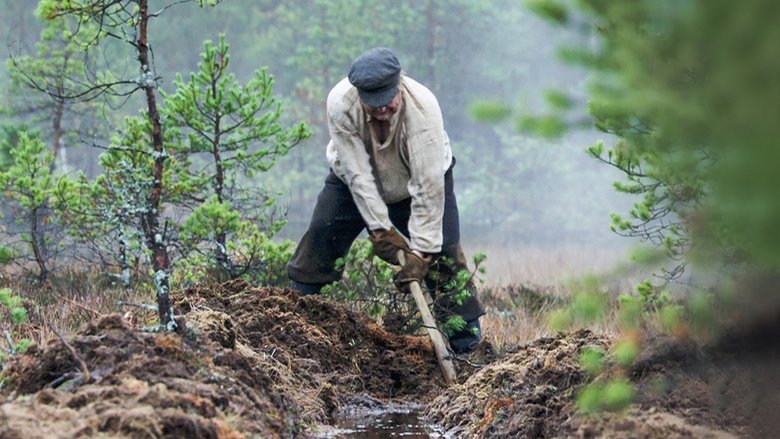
x: 351, y: 163
x: 429, y: 157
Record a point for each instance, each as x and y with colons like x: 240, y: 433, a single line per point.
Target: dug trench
x: 259, y: 362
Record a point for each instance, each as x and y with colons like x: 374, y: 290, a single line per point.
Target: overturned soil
x: 249, y: 362
x: 727, y: 389
x: 260, y: 362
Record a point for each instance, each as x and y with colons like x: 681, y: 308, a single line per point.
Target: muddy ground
x: 257, y: 362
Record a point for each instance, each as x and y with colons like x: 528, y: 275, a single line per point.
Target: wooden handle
x: 439, y: 342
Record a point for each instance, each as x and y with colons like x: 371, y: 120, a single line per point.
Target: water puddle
x: 380, y: 421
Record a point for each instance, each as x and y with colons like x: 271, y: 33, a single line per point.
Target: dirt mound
x: 141, y: 385
x: 131, y: 408
x: 249, y: 363
x: 683, y: 390
x: 527, y: 394
x: 323, y: 343
x: 640, y: 423
x: 727, y: 385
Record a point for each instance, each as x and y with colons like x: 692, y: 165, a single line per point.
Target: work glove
x: 414, y: 270
x: 387, y: 243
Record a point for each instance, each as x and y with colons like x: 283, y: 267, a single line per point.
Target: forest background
x: 521, y: 197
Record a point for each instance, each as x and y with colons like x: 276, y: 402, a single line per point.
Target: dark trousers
x: 336, y: 222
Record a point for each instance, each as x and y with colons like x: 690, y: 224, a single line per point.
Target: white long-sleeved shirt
x: 410, y: 163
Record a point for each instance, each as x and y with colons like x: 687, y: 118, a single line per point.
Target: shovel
x: 439, y: 343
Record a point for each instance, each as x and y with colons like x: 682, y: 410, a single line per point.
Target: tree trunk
x: 224, y: 268
x: 124, y: 258
x: 56, y: 142
x: 35, y: 242
x: 155, y: 237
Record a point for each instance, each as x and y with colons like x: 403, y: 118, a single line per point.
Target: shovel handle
x: 439, y: 343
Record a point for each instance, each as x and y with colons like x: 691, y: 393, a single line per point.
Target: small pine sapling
x: 12, y: 314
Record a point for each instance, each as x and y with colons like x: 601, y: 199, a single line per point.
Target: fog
x: 528, y: 201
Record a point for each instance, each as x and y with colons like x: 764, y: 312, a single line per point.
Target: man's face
x: 386, y: 112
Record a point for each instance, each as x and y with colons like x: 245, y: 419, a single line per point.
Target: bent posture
x: 390, y: 173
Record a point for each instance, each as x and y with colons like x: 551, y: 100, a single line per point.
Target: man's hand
x: 414, y: 270
x: 387, y: 243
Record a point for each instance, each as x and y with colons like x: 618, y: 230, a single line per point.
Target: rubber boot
x: 465, y: 340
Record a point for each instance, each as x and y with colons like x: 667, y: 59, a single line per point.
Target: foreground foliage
x: 700, y: 169
x: 684, y: 90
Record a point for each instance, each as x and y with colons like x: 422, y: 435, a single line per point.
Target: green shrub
x: 12, y: 314
x: 367, y: 287
x: 367, y: 284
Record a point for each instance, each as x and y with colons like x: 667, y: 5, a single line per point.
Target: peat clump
x: 248, y: 362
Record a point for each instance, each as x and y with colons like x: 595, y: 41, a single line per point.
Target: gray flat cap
x: 376, y: 74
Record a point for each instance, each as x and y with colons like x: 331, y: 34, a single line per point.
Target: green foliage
x: 251, y: 253
x: 10, y: 134
x: 615, y: 395
x: 263, y: 261
x: 13, y: 306
x: 588, y: 306
x: 560, y: 319
x: 29, y: 184
x: 652, y: 295
x: 217, y: 134
x: 99, y: 23
x: 588, y: 303
x: 670, y: 318
x: 489, y: 111
x: 7, y: 254
x: 635, y: 310
x: 211, y: 217
x: 111, y: 210
x: 558, y: 100
x: 610, y: 394
x: 12, y: 313
x: 453, y: 325
x: 367, y: 284
x: 223, y: 134
x: 592, y: 360
x: 701, y: 171
x: 625, y: 352
x: 552, y: 10
x: 40, y: 83
x: 456, y: 289
x: 28, y: 179
x: 545, y: 126
x: 479, y: 259
x: 458, y: 285
x: 219, y: 116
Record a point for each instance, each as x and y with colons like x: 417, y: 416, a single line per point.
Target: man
x: 391, y: 173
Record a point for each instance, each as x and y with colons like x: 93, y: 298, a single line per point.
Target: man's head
x: 376, y: 74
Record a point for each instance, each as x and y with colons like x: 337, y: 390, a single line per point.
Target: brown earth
x: 259, y: 362
x: 726, y: 389
x: 252, y: 362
